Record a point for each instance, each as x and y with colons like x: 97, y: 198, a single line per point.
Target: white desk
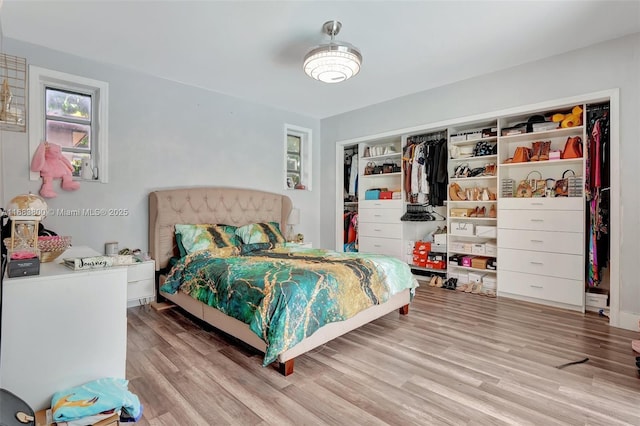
x: 62, y: 328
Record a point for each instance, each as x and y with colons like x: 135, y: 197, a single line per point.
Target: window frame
x: 305, y: 136
x: 39, y: 80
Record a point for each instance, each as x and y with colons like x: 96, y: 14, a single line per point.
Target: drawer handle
x: 536, y: 204
x: 377, y: 215
x: 537, y: 220
x: 377, y: 245
x: 377, y: 230
x: 536, y: 263
x: 535, y: 286
x: 537, y: 241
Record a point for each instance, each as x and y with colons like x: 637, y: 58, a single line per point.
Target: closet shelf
x: 468, y: 268
x: 478, y: 158
x: 471, y: 178
x: 475, y: 141
x: 544, y: 163
x: 557, y: 133
x: 375, y: 157
x: 377, y: 175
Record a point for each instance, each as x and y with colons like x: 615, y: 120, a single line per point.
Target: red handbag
x: 572, y: 148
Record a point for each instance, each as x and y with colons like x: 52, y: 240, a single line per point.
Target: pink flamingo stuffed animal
x: 49, y: 161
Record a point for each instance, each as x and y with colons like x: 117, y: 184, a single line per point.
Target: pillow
x: 250, y: 248
x: 206, y: 237
x: 261, y: 233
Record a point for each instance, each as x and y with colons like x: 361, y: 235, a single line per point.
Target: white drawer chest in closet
x: 541, y: 250
x: 380, y: 228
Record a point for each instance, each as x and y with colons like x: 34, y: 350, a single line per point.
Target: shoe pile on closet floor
x: 452, y: 284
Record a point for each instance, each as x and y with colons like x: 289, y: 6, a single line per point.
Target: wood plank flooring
x: 456, y: 359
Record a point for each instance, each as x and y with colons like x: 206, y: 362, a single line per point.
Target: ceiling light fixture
x: 333, y: 62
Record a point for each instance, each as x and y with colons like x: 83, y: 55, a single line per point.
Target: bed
x: 237, y: 207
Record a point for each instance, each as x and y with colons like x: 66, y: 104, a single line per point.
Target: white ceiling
x: 254, y: 50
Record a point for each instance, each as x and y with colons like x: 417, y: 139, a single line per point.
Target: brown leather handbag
x: 572, y: 148
x: 522, y: 155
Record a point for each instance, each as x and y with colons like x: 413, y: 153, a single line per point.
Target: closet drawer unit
x: 388, y: 246
x: 556, y: 242
x: 558, y: 203
x: 379, y: 215
x: 553, y: 289
x: 381, y: 230
x: 569, y: 266
x: 542, y: 220
x: 381, y: 204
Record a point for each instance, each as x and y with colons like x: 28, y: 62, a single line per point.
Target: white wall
x: 162, y: 134
x: 613, y: 64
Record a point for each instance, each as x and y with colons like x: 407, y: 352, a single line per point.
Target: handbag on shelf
x: 369, y: 168
x: 528, y: 187
x: 562, y: 185
x: 572, y: 148
x: 521, y: 155
x: 387, y: 167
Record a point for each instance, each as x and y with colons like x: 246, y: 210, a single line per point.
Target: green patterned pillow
x: 261, y: 233
x: 206, y: 237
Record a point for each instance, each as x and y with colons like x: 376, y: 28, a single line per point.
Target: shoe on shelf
x: 492, y: 211
x: 474, y: 212
x: 545, y: 147
x: 482, y: 212
x: 536, y: 151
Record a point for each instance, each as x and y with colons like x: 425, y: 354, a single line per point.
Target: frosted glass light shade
x: 333, y: 62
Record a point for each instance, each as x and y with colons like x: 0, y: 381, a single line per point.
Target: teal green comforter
x: 285, y: 294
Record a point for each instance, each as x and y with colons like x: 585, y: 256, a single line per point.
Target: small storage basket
x: 50, y: 246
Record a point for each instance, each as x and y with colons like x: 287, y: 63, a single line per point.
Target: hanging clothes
x: 350, y: 231
x: 596, y: 188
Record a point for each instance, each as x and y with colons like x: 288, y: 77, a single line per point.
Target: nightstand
x: 141, y: 287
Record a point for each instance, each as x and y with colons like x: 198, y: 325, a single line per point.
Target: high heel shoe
x: 492, y: 211
x: 482, y: 212
x: 474, y: 212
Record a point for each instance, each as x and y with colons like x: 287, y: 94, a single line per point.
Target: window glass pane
x: 68, y: 104
x: 77, y: 160
x: 293, y: 143
x: 293, y: 163
x: 68, y: 135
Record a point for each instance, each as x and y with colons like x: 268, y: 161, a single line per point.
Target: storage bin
x: 460, y: 212
x: 386, y: 195
x: 486, y: 231
x: 422, y: 245
x: 477, y: 249
x: 463, y: 277
x: 462, y: 228
x: 372, y: 194
x: 595, y: 300
x: 466, y: 261
x: 440, y: 239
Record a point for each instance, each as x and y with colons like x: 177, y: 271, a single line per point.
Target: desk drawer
x: 379, y: 215
x: 381, y: 230
x: 387, y: 246
x: 569, y: 266
x: 141, y: 271
x: 140, y: 289
x: 542, y: 220
x: 556, y: 242
x: 553, y: 289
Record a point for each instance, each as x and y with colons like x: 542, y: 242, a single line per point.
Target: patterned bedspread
x: 287, y: 293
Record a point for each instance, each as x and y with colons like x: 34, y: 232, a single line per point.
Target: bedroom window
x: 70, y: 111
x: 297, y: 160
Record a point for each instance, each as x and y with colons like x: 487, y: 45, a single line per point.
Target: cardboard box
x: 490, y: 249
x: 460, y: 212
x: 479, y: 262
x: 422, y: 245
x: 440, y: 239
x: 466, y: 261
x: 475, y: 277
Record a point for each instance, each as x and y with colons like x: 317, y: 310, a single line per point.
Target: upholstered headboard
x: 230, y: 206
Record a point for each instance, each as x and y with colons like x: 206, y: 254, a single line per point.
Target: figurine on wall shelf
x: 49, y: 161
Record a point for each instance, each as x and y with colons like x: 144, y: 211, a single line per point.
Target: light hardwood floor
x: 456, y: 359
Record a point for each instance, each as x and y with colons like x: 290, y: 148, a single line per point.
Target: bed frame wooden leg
x: 404, y: 310
x: 286, y: 368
